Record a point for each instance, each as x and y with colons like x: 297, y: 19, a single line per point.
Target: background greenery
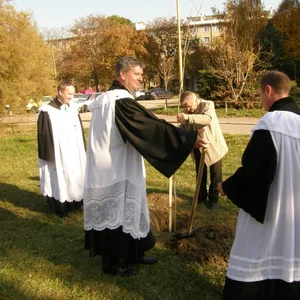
x: 42, y: 256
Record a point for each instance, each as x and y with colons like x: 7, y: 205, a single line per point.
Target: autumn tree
x: 286, y: 20
x: 163, y: 48
x: 234, y: 57
x: 26, y: 69
x: 96, y: 45
x: 58, y: 40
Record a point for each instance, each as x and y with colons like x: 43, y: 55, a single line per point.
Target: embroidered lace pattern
x: 121, y: 204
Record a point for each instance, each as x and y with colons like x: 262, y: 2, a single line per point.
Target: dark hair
x: 126, y: 63
x: 62, y: 85
x: 279, y: 81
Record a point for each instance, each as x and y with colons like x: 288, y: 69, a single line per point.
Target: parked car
x: 94, y: 96
x: 33, y: 105
x: 138, y: 94
x: 83, y: 101
x: 158, y: 93
x: 78, y: 95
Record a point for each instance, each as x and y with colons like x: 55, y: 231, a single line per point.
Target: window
x: 218, y: 29
x: 195, y: 29
x: 206, y: 40
x: 206, y: 29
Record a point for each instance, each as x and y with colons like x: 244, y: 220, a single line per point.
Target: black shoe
x: 211, y: 205
x: 78, y: 208
x: 147, y: 260
x: 124, y: 271
x: 50, y: 203
x: 202, y: 200
x: 61, y: 214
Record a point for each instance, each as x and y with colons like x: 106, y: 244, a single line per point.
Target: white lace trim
x: 122, y: 204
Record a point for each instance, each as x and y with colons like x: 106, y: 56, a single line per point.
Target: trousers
x: 211, y: 194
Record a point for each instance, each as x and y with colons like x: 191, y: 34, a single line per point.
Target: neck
x: 61, y: 101
x: 124, y: 85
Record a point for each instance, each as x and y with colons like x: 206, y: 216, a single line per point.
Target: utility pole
x: 172, y: 185
x: 179, y: 48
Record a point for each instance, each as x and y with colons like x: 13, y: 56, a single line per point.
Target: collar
x: 287, y: 104
x: 59, y: 103
x: 117, y: 85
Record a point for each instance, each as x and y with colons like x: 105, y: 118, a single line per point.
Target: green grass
x: 42, y: 256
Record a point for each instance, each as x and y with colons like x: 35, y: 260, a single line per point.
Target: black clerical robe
x: 61, y: 153
x: 248, y: 187
x: 122, y: 132
x: 258, y: 261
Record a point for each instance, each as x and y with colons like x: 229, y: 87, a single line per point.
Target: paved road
x: 241, y: 125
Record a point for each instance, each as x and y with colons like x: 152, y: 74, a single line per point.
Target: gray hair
x: 186, y: 94
x: 126, y: 63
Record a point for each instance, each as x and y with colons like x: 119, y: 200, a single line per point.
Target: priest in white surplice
x: 122, y: 132
x: 61, y: 150
x: 264, y: 262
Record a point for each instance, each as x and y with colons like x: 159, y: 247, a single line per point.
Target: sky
x: 63, y: 13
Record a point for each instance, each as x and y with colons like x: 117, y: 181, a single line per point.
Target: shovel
x: 189, y: 231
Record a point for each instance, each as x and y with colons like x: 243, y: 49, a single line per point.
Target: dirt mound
x: 209, y: 242
x: 159, y: 212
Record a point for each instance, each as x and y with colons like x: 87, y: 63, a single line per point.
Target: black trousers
x: 272, y: 289
x: 215, y: 170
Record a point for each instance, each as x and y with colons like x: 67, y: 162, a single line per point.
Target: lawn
x: 42, y: 256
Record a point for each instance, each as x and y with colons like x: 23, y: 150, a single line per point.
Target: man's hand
x: 200, y: 142
x: 220, y: 189
x: 182, y: 116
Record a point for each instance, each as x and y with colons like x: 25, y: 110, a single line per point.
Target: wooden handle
x: 195, y: 199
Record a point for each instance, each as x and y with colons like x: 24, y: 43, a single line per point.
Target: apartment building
x: 205, y: 28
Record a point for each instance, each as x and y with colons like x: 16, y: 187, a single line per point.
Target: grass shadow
x: 23, y: 198
x: 52, y: 252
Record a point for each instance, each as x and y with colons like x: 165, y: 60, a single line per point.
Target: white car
x: 138, y: 94
x: 84, y: 100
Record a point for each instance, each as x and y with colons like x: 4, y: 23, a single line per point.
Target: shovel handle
x: 195, y: 199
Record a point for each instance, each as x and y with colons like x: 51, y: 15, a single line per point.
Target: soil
x: 207, y: 243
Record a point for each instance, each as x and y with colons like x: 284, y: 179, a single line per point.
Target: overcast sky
x: 62, y: 13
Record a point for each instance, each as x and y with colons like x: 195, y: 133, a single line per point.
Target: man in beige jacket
x: 201, y: 114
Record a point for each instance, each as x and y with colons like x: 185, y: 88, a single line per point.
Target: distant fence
x: 220, y: 104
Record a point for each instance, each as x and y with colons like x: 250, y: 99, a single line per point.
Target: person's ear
x: 122, y: 74
x: 268, y: 90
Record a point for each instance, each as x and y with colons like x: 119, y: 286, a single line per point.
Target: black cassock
x: 248, y: 188
x: 164, y: 146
